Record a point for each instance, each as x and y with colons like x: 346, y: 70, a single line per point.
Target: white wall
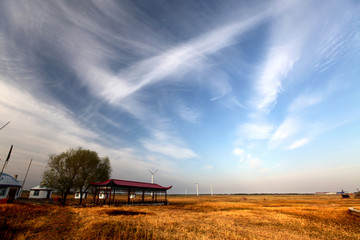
x: 42, y: 194
x: 77, y: 195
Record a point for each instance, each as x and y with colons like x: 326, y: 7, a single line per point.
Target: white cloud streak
x: 298, y: 143
x: 304, y: 101
x: 187, y: 113
x: 254, y: 130
x: 279, y: 63
x: 288, y: 128
x: 168, y: 145
x: 177, y: 60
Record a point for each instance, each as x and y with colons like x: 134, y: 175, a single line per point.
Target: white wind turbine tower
x: 197, y: 189
x: 211, y: 190
x: 152, y: 175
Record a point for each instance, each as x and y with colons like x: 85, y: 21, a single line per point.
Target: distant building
x: 10, y: 188
x: 325, y: 193
x: 40, y: 192
x: 321, y: 193
x: 84, y: 195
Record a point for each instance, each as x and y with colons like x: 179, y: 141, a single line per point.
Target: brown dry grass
x: 204, y: 217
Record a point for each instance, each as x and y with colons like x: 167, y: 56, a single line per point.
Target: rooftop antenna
x: 197, y: 189
x: 7, y: 160
x: 152, y: 175
x: 5, y: 125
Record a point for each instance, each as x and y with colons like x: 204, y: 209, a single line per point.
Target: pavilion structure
x: 116, y: 191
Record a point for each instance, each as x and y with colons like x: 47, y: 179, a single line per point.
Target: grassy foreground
x: 204, y: 217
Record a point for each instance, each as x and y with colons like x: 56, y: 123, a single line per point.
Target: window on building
x: 36, y: 193
x: 2, y: 191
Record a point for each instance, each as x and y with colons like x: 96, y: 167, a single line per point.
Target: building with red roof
x: 115, y: 191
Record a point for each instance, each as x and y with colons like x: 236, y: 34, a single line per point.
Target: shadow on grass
x: 124, y: 213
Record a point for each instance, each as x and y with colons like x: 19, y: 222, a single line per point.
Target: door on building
x: 12, y: 194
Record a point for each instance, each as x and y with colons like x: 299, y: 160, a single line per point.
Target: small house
x: 40, y: 192
x: 10, y: 188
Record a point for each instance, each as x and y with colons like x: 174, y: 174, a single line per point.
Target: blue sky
x: 246, y: 96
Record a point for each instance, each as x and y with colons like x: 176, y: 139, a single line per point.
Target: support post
x: 114, y: 197
x: 105, y: 193
x: 165, y: 197
x: 110, y: 195
x: 143, y: 196
x: 95, y: 195
x: 128, y: 196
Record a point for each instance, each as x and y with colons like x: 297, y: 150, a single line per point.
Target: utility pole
x: 26, y: 173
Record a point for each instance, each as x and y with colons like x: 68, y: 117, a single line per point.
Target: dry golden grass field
x: 203, y: 217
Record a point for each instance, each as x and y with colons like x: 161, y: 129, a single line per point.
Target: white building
x: 9, y: 187
x: 84, y: 195
x: 40, y: 192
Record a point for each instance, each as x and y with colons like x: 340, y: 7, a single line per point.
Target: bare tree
x: 74, y: 169
x: 92, y: 169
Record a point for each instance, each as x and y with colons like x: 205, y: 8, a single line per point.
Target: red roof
x: 130, y: 184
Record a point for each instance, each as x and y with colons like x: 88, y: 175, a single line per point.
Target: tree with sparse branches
x: 74, y: 169
x: 92, y: 169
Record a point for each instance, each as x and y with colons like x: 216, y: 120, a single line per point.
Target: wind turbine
x: 211, y: 190
x: 152, y: 175
x: 197, y: 189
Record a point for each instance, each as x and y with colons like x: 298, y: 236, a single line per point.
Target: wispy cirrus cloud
x: 279, y: 63
x: 296, y: 119
x: 287, y: 128
x: 187, y: 113
x: 117, y: 69
x: 299, y: 143
x: 255, y: 130
x: 161, y: 142
x: 177, y: 60
x: 45, y: 129
x: 304, y: 101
